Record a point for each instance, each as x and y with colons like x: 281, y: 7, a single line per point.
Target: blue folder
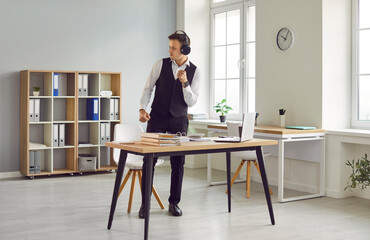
x: 92, y: 109
x: 55, y: 84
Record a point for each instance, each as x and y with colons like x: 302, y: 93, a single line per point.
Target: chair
x: 129, y: 133
x: 233, y: 130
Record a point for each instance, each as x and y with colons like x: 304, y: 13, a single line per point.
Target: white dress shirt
x: 191, y: 92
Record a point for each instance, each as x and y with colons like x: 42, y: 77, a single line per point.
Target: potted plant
x: 36, y: 91
x: 223, y: 108
x: 360, y: 173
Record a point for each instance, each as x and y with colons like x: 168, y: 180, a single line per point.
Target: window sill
x: 350, y: 132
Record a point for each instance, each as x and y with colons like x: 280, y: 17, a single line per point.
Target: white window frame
x: 355, y: 122
x: 243, y: 94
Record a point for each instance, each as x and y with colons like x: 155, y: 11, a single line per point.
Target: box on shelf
x: 86, y: 162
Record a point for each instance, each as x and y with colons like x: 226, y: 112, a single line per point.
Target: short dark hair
x: 181, y: 37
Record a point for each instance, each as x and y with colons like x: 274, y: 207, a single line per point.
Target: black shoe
x: 174, y: 210
x: 141, y: 212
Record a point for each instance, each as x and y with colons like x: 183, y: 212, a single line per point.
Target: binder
x: 55, y: 84
x: 55, y: 135
x: 102, y: 133
x: 61, y: 134
x: 107, y: 132
x: 92, y: 109
x: 37, y: 161
x: 85, y: 85
x: 32, y: 110
x: 107, y: 109
x: 80, y: 85
x: 32, y: 163
x: 116, y: 109
x: 37, y: 110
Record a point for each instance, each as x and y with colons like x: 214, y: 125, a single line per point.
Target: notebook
x: 240, y: 135
x: 301, y: 127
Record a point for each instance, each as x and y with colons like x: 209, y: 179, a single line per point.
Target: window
x: 361, y: 64
x: 233, y: 56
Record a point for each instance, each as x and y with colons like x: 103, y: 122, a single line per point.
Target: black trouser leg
x: 143, y: 181
x: 177, y: 175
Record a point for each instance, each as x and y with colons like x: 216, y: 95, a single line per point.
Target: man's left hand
x: 181, y: 74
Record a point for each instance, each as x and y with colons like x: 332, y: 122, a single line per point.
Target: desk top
x: 189, y: 146
x: 272, y: 129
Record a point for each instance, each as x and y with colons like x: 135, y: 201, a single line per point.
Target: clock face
x: 285, y: 39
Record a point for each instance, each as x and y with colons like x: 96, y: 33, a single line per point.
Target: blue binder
x: 55, y: 84
x: 92, y: 109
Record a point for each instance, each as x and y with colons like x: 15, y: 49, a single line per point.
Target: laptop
x: 237, y: 134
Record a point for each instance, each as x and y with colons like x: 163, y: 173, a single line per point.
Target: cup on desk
x: 282, y: 120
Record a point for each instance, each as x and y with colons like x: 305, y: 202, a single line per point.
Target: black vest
x: 169, y: 97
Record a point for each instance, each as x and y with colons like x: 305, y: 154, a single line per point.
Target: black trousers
x: 159, y: 123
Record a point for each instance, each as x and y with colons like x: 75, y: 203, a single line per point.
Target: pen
x: 282, y: 111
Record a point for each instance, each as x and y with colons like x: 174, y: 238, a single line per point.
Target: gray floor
x: 77, y: 207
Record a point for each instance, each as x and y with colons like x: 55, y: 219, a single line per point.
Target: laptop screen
x: 245, y: 130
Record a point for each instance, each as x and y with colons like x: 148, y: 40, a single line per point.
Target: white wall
x: 113, y: 35
x: 293, y: 79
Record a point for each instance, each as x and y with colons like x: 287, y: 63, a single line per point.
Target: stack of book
x: 159, y: 139
x: 197, y: 116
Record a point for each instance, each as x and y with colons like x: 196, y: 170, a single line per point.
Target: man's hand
x: 181, y: 74
x: 143, y: 116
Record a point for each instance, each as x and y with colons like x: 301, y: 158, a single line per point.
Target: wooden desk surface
x: 272, y: 129
x: 189, y: 146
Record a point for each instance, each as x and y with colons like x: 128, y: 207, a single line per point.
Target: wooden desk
x: 283, y: 135
x: 187, y: 148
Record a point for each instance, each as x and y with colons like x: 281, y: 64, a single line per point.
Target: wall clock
x: 285, y: 38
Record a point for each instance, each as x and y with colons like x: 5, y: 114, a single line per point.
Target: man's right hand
x: 143, y: 116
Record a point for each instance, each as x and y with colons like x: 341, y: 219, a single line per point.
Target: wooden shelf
x: 64, y: 109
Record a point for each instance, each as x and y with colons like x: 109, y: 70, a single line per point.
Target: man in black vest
x: 176, y: 82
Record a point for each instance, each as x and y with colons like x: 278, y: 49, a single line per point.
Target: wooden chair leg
x: 236, y: 173
x: 124, y: 182
x: 248, y: 178
x: 258, y: 169
x: 131, y: 192
x: 153, y: 190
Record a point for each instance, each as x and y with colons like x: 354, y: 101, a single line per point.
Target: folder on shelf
x: 37, y: 161
x: 80, y: 85
x: 61, y: 134
x: 102, y: 133
x: 55, y: 135
x: 92, y: 109
x: 116, y: 109
x: 85, y: 85
x: 107, y: 132
x: 37, y: 110
x: 32, y: 162
x: 32, y: 110
x: 55, y: 84
x: 107, y: 109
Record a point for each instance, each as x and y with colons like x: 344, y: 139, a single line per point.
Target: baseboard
x: 16, y: 174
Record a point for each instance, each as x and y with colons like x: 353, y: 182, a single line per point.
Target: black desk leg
x: 265, y: 183
x: 147, y: 193
x: 228, y: 181
x: 121, y: 167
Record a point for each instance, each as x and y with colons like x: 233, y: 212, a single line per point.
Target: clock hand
x: 286, y: 35
x: 283, y: 37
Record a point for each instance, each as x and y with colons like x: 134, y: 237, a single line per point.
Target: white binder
x: 61, y: 135
x: 85, y: 85
x: 37, y: 161
x: 55, y: 135
x: 107, y: 132
x: 80, y: 85
x: 32, y: 110
x: 56, y: 84
x: 32, y: 162
x: 37, y: 110
x: 102, y: 133
x: 116, y: 109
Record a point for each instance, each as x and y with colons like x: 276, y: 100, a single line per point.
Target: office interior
x: 312, y: 80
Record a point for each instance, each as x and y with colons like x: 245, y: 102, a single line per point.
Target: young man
x: 177, y: 83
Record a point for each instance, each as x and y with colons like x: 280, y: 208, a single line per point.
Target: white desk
x: 283, y: 136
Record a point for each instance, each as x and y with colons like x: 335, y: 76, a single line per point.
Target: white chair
x: 246, y: 156
x: 129, y: 133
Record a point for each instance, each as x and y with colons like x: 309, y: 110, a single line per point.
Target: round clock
x: 285, y: 38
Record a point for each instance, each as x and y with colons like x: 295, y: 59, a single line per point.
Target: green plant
x: 36, y: 89
x: 222, y: 107
x: 360, y: 173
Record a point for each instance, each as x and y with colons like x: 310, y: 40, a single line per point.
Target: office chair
x: 246, y: 156
x: 129, y: 133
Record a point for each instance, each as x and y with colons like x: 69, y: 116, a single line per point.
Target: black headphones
x: 185, y: 48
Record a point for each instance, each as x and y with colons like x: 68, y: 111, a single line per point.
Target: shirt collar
x: 187, y: 63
